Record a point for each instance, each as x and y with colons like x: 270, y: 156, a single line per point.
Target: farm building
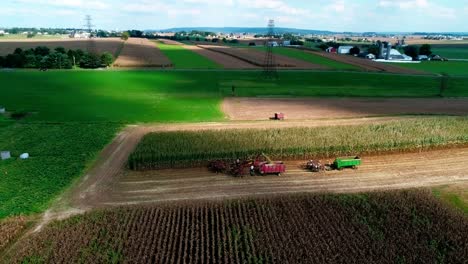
x: 395, y: 55
x: 331, y: 50
x: 344, y: 49
x: 371, y: 56
x: 273, y: 44
x: 287, y: 43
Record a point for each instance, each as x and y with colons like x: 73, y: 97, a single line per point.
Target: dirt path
x: 313, y: 108
x: 378, y: 173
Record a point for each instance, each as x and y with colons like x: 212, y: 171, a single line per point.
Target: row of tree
x: 59, y: 58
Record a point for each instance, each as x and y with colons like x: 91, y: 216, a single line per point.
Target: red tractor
x: 278, y: 116
x: 264, y: 165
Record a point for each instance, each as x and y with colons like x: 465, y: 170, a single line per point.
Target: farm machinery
x: 278, y: 116
x: 338, y: 164
x: 261, y: 165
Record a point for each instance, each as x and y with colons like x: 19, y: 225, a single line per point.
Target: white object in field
x: 5, y: 155
x: 2, y: 110
x: 24, y: 156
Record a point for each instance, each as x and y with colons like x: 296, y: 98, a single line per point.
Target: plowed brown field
x: 138, y: 52
x: 263, y: 108
x: 111, y: 45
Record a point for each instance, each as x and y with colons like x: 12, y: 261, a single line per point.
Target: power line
x: 269, y: 65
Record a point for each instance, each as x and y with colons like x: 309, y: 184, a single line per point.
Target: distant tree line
x: 59, y: 58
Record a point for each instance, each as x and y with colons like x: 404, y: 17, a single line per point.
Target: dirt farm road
x: 109, y: 184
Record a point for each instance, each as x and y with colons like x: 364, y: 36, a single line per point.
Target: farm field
x: 257, y: 57
x: 112, y: 45
x: 161, y: 150
x: 183, y: 58
x: 188, y: 96
x: 451, y: 51
x: 440, y: 67
x: 328, y: 108
x: 138, y: 52
x: 378, y: 173
x: 312, y: 58
x: 366, y: 228
x: 117, y: 96
x: 58, y: 155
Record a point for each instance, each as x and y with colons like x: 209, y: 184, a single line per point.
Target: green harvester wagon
x: 347, y: 162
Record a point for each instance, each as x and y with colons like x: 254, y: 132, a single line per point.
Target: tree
x: 425, y: 50
x: 374, y: 49
x: 411, y: 51
x: 2, y: 61
x: 107, y: 59
x: 42, y: 50
x: 90, y: 61
x: 355, y: 51
x: 60, y: 50
x: 125, y: 35
x: 323, y: 46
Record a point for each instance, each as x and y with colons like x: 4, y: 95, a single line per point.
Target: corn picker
x: 261, y: 165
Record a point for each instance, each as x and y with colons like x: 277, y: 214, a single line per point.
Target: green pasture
x: 59, y: 153
x: 312, y: 58
x: 455, y: 52
x: 439, y: 67
x: 127, y: 97
x: 188, y: 96
x: 183, y: 58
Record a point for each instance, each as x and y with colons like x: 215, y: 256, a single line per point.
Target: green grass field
x: 187, y: 96
x: 183, y: 58
x: 456, y: 52
x: 438, y: 67
x: 58, y: 154
x: 127, y: 97
x: 312, y: 58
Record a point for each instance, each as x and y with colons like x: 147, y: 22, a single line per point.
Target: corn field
x: 394, y: 227
x: 195, y: 148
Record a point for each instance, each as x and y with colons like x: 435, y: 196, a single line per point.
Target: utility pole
x: 89, y: 26
x: 269, y: 65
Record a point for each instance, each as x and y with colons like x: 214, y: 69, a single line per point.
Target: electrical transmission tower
x: 89, y: 26
x: 269, y: 65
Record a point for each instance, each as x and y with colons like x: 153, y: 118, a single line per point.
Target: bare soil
x: 111, y: 45
x: 257, y: 57
x: 368, y: 65
x: 263, y: 108
x: 139, y: 52
x: 378, y: 173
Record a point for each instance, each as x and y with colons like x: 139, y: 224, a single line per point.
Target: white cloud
x: 92, y: 4
x: 404, y: 4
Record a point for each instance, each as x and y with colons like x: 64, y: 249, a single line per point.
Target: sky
x: 333, y: 15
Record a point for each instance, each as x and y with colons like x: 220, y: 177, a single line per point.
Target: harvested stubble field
x: 111, y: 45
x: 195, y: 148
x: 406, y: 226
x: 321, y: 108
x: 257, y: 57
x: 10, y: 229
x: 139, y: 52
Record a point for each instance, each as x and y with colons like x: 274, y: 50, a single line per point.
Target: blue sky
x: 336, y: 15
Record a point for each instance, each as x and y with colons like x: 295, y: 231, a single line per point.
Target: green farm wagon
x: 346, y: 162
